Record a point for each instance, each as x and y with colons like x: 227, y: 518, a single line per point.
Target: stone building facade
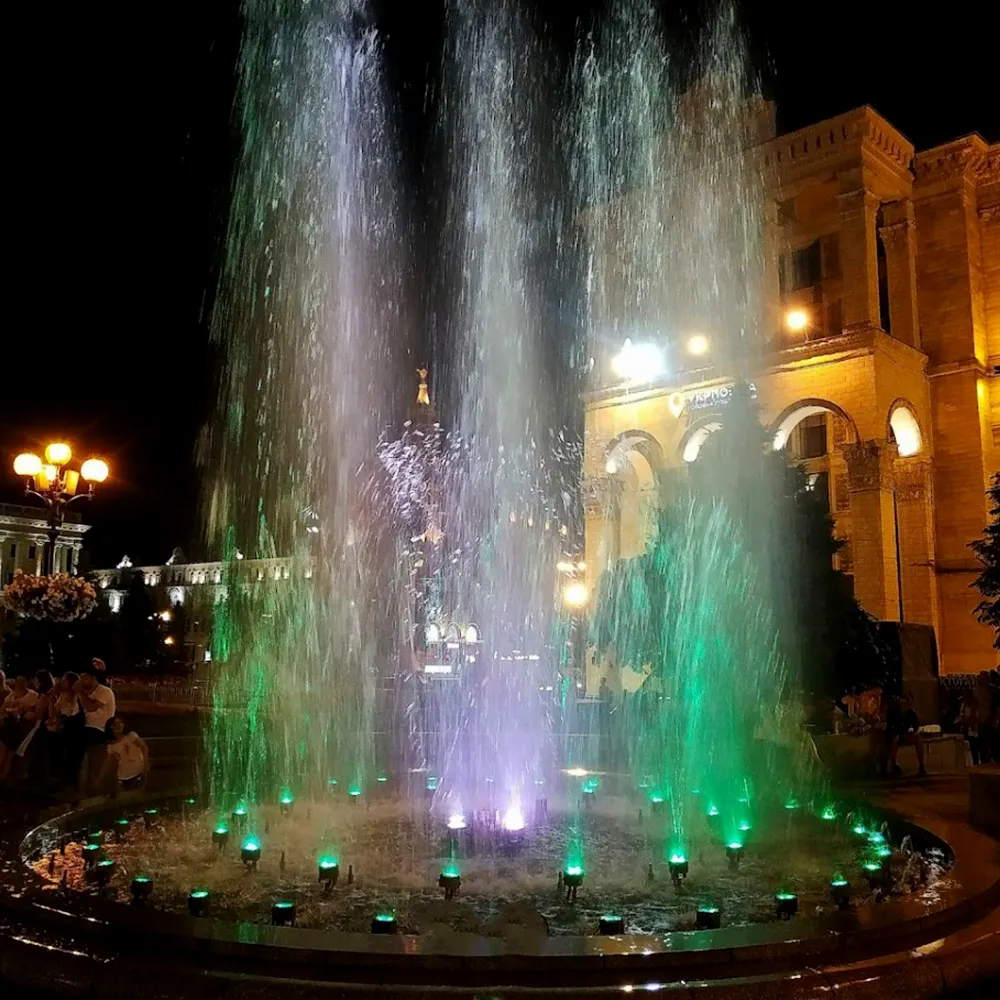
x: 883, y: 375
x: 24, y: 535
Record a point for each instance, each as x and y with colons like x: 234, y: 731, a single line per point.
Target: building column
x: 873, y: 527
x: 915, y: 517
x: 858, y: 251
x: 900, y: 240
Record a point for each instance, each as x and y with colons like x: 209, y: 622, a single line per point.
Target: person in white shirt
x: 129, y: 753
x: 98, y: 703
x: 14, y: 724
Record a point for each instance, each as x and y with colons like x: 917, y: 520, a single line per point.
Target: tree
x: 987, y: 550
x: 767, y: 533
x: 139, y: 625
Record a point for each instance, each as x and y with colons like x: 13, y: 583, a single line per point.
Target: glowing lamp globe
x: 329, y: 871
x: 697, y: 344
x: 58, y: 453
x: 576, y: 595
x: 573, y: 876
x: 678, y: 865
x: 708, y: 918
x: 796, y: 320
x: 27, y: 464
x: 94, y: 470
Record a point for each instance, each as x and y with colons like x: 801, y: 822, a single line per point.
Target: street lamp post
x: 56, y: 486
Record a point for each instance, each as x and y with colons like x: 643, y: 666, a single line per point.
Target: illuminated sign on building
x: 717, y: 396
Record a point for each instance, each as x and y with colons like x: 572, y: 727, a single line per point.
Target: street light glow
x: 796, y: 320
x: 58, y: 453
x: 27, y: 464
x: 94, y: 470
x: 576, y: 594
x: 697, y: 344
x: 638, y: 362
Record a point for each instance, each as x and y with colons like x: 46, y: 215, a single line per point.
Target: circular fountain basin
x: 495, y: 930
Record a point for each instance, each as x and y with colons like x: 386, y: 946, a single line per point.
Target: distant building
x: 24, y: 535
x: 883, y: 375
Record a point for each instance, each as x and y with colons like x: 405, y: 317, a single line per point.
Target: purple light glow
x: 513, y: 818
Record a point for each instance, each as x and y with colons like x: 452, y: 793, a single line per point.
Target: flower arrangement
x: 59, y: 598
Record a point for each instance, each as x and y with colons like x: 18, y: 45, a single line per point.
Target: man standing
x: 98, y: 703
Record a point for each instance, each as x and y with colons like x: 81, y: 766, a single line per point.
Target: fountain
x: 332, y: 744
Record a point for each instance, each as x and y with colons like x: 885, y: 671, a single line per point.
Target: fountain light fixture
x: 678, y: 865
x: 713, y: 811
x: 697, y: 344
x: 576, y: 594
x: 220, y: 836
x: 286, y: 802
x: 250, y: 852
x: 796, y: 320
x: 786, y: 905
x: 745, y: 828
x: 450, y: 880
x: 198, y: 902
x: 828, y: 813
x: 840, y: 892
x: 283, y: 913
x: 573, y: 875
x: 121, y: 827
x: 860, y: 830
x: 875, y: 873
x: 92, y: 853
x: 332, y: 783
x: 611, y: 923
x: 708, y: 918
x: 456, y: 821
x: 382, y: 779
x: 656, y: 802
x: 141, y: 888
x: 354, y: 792
x: 329, y: 871
x: 103, y: 871
x: 734, y: 851
x: 792, y: 804
x: 384, y: 923
x: 149, y: 817
x: 590, y: 785
x: 432, y: 783
x: 876, y: 838
x: 638, y: 363
x: 885, y: 853
x: 513, y: 818
x: 95, y: 837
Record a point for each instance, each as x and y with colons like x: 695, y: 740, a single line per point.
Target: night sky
x: 118, y: 152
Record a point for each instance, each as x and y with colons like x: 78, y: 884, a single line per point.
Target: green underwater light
x: 286, y: 800
x: 574, y: 870
x: 432, y: 783
x: 713, y: 811
x: 354, y: 791
x: 792, y: 804
x: 828, y: 813
x: 859, y: 829
x: 656, y: 798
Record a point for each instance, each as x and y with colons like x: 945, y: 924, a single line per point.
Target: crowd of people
x: 63, y: 734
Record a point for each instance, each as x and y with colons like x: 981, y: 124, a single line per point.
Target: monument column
x: 899, y: 238
x: 873, y: 527
x: 858, y: 255
x: 915, y: 517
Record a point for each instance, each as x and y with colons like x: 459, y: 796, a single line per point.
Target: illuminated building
x: 882, y: 375
x: 23, y: 539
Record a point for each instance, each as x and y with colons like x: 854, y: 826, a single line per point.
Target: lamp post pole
x: 56, y: 485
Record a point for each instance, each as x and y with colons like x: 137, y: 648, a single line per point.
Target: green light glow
x: 190, y: 802
x: 332, y: 782
x: 327, y: 863
x: 591, y: 785
x: 735, y: 846
x: 828, y: 813
x: 876, y: 838
x: 450, y: 870
x: 283, y: 905
x: 792, y: 804
x: 784, y: 897
x: 121, y: 822
x: 385, y: 918
x: 713, y: 811
x: 90, y: 848
x: 382, y: 779
x: 221, y: 830
x: 839, y: 883
x: 354, y: 791
x: 656, y: 798
x: 199, y: 894
x: 745, y: 827
x: 286, y: 798
x: 240, y: 810
x: 610, y: 916
x: 884, y: 852
x: 251, y: 844
x: 106, y: 863
x: 860, y: 830
x: 677, y: 858
x: 708, y: 909
x: 142, y: 878
x: 872, y: 866
x: 574, y: 869
x: 151, y: 812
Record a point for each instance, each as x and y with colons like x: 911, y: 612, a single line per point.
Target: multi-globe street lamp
x: 56, y: 485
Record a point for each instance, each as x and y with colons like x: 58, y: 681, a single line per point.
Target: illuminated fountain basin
x: 391, y: 852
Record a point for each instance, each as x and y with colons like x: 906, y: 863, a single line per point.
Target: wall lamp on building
x: 796, y: 320
x: 56, y: 486
x: 638, y: 363
x: 576, y: 595
x: 697, y: 345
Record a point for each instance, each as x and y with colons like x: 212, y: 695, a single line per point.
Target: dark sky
x: 118, y: 151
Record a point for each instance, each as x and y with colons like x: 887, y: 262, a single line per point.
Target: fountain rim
x: 725, y: 953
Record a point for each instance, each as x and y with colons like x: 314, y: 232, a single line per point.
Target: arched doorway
x: 634, y: 464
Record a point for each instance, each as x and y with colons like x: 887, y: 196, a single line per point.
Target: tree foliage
x: 987, y: 549
x: 784, y: 535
